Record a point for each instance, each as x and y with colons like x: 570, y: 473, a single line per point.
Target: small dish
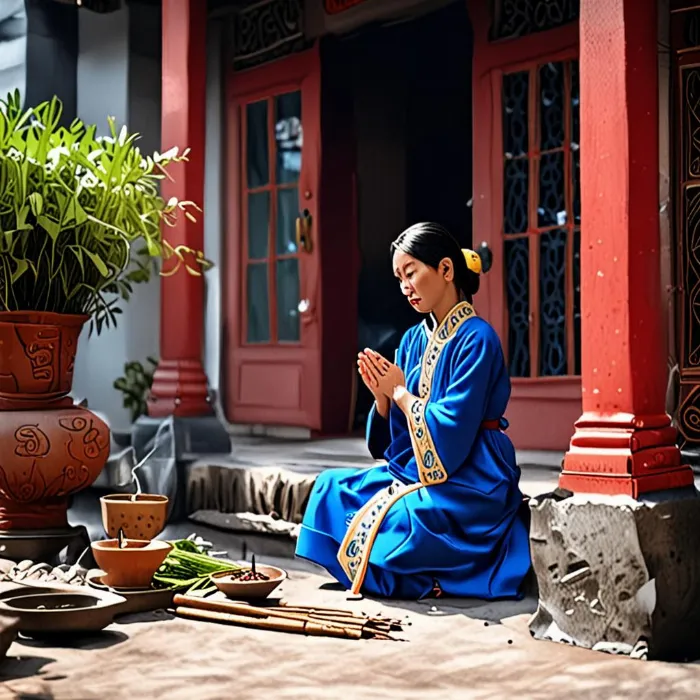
x: 133, y: 564
x: 234, y: 588
x: 138, y: 600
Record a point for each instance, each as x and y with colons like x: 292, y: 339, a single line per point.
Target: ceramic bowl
x: 249, y: 590
x: 131, y: 566
x: 141, y: 517
x: 47, y: 613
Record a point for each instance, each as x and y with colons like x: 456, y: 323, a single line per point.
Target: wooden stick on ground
x: 354, y: 626
x: 235, y: 608
x: 322, y: 613
x: 232, y: 607
x: 275, y: 625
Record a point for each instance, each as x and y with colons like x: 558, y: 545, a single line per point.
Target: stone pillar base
x: 195, y: 437
x: 618, y: 575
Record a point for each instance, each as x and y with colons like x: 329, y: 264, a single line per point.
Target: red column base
x: 180, y: 388
x: 624, y: 455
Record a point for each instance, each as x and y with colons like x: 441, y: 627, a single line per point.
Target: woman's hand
x: 384, y: 376
x: 372, y: 383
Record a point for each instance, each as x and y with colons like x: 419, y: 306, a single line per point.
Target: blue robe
x: 446, y: 507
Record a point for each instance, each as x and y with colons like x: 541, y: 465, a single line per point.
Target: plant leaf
x: 36, y: 203
x: 50, y: 226
x: 21, y: 267
x: 98, y: 262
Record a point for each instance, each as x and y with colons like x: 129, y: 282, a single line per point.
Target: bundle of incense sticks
x: 323, y: 622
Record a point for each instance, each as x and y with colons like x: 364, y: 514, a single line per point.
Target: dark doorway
x: 411, y: 101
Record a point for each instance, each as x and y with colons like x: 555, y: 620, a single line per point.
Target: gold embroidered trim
x: 354, y: 551
x: 430, y: 468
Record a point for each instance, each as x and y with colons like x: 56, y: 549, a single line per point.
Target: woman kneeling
x: 443, y: 516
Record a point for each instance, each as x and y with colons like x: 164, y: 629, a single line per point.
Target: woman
x: 443, y: 516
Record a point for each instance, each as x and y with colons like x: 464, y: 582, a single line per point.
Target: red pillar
x: 624, y: 442
x: 180, y: 384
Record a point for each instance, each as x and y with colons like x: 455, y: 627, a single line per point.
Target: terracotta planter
x: 49, y: 448
x: 141, y: 517
x: 131, y: 566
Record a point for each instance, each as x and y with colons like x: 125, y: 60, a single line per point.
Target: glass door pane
x: 256, y: 200
x: 289, y: 137
x: 258, y: 225
x: 287, y: 213
x: 257, y: 146
x: 258, y: 304
x: 273, y: 149
x: 288, y: 300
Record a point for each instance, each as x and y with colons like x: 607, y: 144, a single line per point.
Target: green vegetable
x: 188, y: 567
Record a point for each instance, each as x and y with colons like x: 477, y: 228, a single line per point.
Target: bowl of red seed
x: 249, y: 583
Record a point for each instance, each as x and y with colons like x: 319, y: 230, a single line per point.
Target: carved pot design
x: 49, y: 448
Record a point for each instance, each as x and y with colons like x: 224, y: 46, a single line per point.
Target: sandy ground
x: 454, y: 649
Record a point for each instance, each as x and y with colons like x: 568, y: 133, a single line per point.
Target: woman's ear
x: 447, y: 269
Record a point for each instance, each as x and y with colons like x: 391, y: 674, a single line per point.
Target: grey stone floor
x: 540, y: 471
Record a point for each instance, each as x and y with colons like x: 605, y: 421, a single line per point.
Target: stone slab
x: 618, y: 575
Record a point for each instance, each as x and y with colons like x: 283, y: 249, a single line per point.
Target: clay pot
x: 37, y: 354
x: 131, y: 566
x: 49, y: 448
x: 141, y: 517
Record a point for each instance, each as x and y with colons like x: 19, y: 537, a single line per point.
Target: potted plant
x: 80, y: 223
x: 134, y: 386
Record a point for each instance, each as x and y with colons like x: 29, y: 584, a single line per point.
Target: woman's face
x: 422, y: 285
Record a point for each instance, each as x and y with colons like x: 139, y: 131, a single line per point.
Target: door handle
x: 304, y: 223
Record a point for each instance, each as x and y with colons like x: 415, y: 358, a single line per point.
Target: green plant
x: 135, y: 385
x: 73, y: 207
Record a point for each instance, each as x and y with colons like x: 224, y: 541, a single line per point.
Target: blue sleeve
x: 378, y: 433
x: 444, y: 428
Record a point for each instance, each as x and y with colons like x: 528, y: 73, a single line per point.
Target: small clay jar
x: 141, y: 517
x: 133, y: 564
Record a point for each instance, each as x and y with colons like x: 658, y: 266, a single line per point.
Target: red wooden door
x: 272, y: 347
x: 527, y: 209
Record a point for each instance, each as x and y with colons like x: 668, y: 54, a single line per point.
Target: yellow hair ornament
x: 473, y: 260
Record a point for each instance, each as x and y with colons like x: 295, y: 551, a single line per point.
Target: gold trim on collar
x: 430, y: 468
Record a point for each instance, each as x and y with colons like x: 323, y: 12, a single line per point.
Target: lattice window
x: 690, y: 35
x: 515, y: 18
x: 689, y: 230
x: 541, y: 219
x: 266, y: 30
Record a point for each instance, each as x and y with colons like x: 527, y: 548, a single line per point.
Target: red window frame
x: 491, y: 60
